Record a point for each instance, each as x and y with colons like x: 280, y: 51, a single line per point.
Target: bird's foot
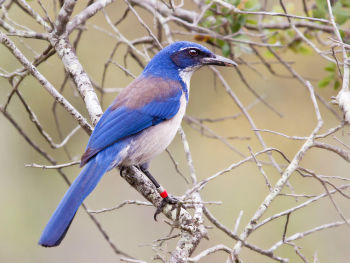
x: 162, y: 192
x: 167, y: 200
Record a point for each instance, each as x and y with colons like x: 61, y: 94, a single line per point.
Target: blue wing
x: 146, y: 102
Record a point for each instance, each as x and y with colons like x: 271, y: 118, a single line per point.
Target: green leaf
x: 220, y: 42
x: 341, y: 14
x: 235, y: 28
x: 330, y: 67
x: 304, y: 49
x: 252, y: 5
x: 320, y: 10
x: 294, y: 46
x: 251, y: 22
x: 233, y: 2
x: 336, y: 84
x: 290, y: 33
x: 268, y: 54
x: 341, y: 18
x: 308, y: 35
x: 236, y: 22
x: 300, y: 48
x: 321, y: 4
x: 342, y: 33
x: 225, y: 49
x: 273, y: 39
x: 324, y: 82
x: 319, y: 13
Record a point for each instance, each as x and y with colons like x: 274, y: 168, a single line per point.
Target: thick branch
x: 82, y: 81
x: 44, y: 82
x: 192, y: 230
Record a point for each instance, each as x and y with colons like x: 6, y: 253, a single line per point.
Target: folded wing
x: 145, y: 102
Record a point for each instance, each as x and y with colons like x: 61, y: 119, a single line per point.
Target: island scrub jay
x: 137, y: 126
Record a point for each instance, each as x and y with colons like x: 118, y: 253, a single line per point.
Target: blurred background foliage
x: 28, y: 196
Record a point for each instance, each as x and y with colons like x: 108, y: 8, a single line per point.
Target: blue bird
x: 140, y: 123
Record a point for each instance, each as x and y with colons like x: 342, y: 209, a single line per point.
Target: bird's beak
x: 218, y: 61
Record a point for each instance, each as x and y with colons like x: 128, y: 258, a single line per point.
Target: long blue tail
x: 82, y: 186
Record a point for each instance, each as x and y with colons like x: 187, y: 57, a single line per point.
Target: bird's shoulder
x: 145, y: 90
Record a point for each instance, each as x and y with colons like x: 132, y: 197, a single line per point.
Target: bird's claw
x: 167, y: 200
x: 121, y: 170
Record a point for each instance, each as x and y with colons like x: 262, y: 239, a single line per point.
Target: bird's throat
x: 185, y: 76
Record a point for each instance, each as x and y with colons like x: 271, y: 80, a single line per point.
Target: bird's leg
x: 162, y: 192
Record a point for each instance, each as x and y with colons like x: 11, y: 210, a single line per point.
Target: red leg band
x: 164, y: 194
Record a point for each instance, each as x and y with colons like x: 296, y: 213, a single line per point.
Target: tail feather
x: 82, y: 186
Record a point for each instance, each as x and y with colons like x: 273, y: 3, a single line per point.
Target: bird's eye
x: 193, y: 52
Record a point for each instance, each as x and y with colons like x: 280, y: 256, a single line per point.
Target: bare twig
x: 58, y: 166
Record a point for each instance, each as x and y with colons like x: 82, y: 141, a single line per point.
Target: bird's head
x: 183, y: 56
x: 187, y: 55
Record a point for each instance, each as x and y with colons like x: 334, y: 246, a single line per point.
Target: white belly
x: 153, y: 140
